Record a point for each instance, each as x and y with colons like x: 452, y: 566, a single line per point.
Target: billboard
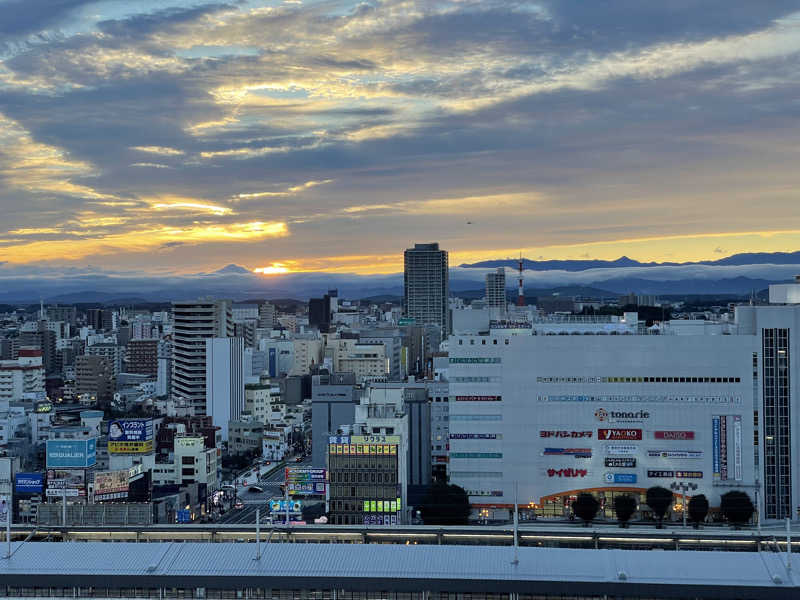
x: 110, y: 485
x: 71, y: 480
x: 29, y: 483
x: 130, y: 436
x: 295, y: 506
x: 5, y: 508
x: 576, y: 452
x: 737, y: 447
x: 72, y: 454
x: 625, y: 463
x: 675, y: 453
x: 305, y: 481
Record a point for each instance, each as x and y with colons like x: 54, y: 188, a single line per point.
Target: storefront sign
x: 624, y: 463
x: 576, y: 452
x: 111, y: 485
x: 565, y: 434
x: 675, y: 453
x: 478, y: 398
x: 567, y: 472
x: 674, y: 435
x: 473, y: 436
x: 621, y: 449
x: 375, y: 439
x: 601, y: 414
x: 619, y: 434
x: 29, y: 483
x: 688, y: 474
x: 303, y: 480
x: 620, y: 477
x: 661, y: 474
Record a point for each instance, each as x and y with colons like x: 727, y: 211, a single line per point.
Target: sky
x: 297, y: 135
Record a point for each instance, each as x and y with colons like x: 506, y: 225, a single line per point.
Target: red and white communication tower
x: 521, y: 292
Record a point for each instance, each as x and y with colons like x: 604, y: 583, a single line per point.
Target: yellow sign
x: 130, y: 447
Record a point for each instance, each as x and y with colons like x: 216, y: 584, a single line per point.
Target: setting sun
x: 273, y: 269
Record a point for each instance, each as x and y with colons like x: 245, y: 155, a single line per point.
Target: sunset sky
x: 330, y: 135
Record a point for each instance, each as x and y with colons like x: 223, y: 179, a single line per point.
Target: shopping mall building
x: 544, y: 408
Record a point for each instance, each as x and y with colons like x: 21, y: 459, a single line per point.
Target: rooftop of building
x: 402, y: 567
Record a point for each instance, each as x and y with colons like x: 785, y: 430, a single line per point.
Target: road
x: 254, y: 500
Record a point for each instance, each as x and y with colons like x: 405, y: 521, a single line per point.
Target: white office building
x: 557, y: 409
x: 496, y: 289
x: 224, y: 381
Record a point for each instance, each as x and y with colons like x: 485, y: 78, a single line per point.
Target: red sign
x: 565, y: 434
x: 619, y: 434
x: 566, y: 472
x: 674, y: 435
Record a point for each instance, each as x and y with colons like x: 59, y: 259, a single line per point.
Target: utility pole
x: 515, y: 562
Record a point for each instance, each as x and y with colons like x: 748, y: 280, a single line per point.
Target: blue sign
x: 130, y: 430
x: 29, y: 483
x: 273, y: 362
x: 72, y: 454
x: 620, y: 477
x: 183, y: 515
x: 715, y: 440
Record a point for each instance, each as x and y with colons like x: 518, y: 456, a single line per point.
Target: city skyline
x: 314, y: 136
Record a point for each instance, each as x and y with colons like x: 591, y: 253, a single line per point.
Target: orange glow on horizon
x: 273, y: 269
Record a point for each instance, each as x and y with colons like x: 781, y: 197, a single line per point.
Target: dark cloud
x: 162, y: 20
x: 22, y: 17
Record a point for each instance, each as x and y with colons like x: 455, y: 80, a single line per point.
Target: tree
x: 698, y: 509
x: 585, y: 507
x: 624, y: 506
x: 659, y: 500
x: 736, y: 507
x: 445, y: 504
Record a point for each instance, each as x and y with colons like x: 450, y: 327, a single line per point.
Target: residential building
x: 333, y: 401
x: 245, y: 436
x: 496, y: 289
x: 25, y: 375
x: 112, y: 352
x: 427, y: 286
x: 368, y: 361
x: 94, y: 379
x: 194, y: 322
x: 142, y: 356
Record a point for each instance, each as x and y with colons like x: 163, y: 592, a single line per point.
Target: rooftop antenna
x: 521, y: 292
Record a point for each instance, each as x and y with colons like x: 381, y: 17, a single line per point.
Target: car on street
x: 239, y: 504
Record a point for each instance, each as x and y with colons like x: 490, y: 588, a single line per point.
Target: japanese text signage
x: 621, y: 449
x: 656, y: 474
x: 130, y: 436
x: 675, y: 453
x: 111, y: 485
x: 565, y: 434
x: 625, y: 463
x: 29, y: 483
x: 620, y: 478
x: 567, y: 472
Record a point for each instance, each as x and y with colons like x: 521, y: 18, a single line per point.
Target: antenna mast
x: 521, y: 292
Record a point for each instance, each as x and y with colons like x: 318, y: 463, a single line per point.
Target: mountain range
x: 740, y: 274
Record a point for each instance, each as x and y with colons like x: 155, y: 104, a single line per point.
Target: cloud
x: 555, y: 121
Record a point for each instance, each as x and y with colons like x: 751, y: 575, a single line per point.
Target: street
x: 254, y: 500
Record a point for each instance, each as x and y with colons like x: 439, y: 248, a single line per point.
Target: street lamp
x: 683, y: 486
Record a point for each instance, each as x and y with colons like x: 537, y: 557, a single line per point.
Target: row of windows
x: 638, y: 380
x: 475, y: 379
x: 483, y: 342
x: 363, y: 477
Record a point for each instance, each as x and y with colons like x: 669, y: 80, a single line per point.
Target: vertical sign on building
x: 723, y: 447
x: 737, y: 447
x: 715, y: 446
x: 5, y: 493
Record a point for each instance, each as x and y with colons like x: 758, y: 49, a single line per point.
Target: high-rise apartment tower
x: 427, y: 286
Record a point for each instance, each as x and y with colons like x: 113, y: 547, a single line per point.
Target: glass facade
x: 777, y: 429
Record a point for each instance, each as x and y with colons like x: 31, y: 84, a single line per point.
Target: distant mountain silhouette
x: 747, y: 258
